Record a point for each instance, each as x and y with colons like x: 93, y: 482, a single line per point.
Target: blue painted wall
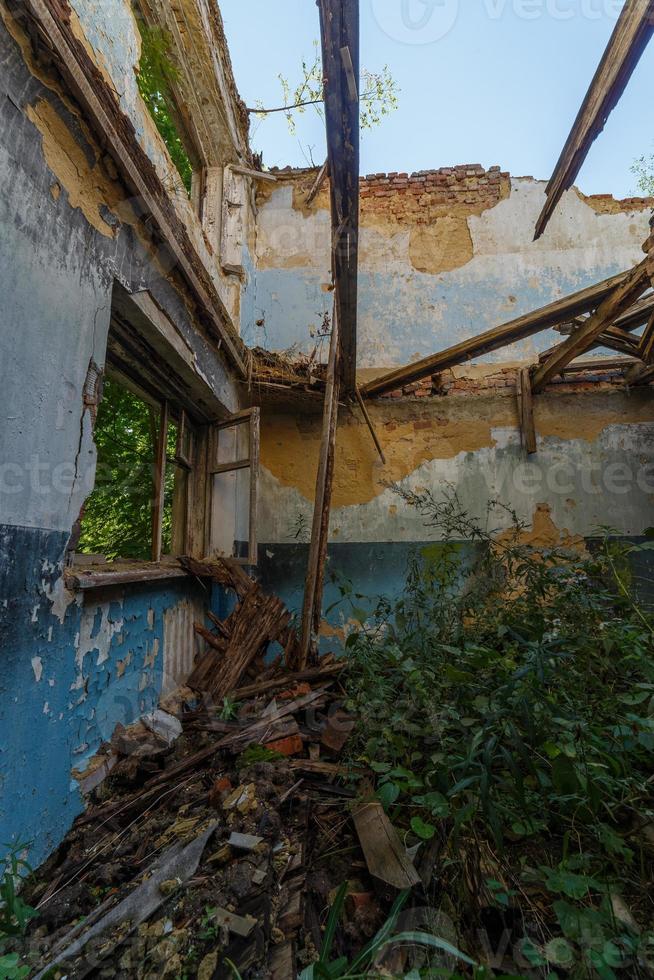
x: 70, y: 669
x: 64, y: 685
x: 405, y: 317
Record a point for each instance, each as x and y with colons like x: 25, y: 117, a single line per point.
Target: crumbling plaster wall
x: 69, y: 668
x: 110, y: 34
x: 444, y: 255
x: 594, y: 468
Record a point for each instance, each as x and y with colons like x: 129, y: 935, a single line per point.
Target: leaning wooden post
x: 312, y: 608
x: 526, y: 411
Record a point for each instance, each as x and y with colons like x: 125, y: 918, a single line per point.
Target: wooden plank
x: 599, y: 365
x: 116, y: 133
x: 382, y: 848
x: 339, y: 30
x: 613, y: 337
x: 159, y: 483
x: 618, y: 301
x: 509, y: 333
x: 637, y: 315
x: 618, y: 340
x: 368, y: 421
x: 80, y: 581
x: 258, y: 728
x: 286, y: 681
x: 646, y: 346
x: 322, y: 499
x: 628, y: 41
x: 282, y: 962
x: 323, y: 173
x: 640, y: 374
x: 642, y: 371
x: 526, y: 411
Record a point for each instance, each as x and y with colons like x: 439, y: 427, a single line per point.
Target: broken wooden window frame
x: 251, y: 418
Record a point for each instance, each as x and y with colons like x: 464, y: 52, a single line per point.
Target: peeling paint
x: 87, y: 186
x: 413, y: 432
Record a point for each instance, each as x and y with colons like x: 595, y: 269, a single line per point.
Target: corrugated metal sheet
x: 180, y: 640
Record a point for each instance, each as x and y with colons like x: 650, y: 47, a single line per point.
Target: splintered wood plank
x: 382, y: 848
x: 646, y: 346
x: 617, y: 302
x: 561, y: 311
x: 312, y: 606
x: 526, y: 412
x: 630, y: 37
x: 323, y: 173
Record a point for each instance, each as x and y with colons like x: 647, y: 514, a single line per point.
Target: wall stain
x: 412, y: 432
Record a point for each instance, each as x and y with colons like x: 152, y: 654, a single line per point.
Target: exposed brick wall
x: 410, y: 196
x: 405, y: 195
x: 446, y: 383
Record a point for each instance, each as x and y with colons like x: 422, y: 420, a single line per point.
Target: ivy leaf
x: 423, y: 830
x: 388, y: 794
x: 435, y: 802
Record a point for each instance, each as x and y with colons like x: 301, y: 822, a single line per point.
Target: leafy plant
x: 229, y: 709
x: 506, y: 704
x: 11, y: 967
x: 155, y: 75
x: 15, y: 914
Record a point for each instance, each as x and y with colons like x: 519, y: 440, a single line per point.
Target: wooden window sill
x: 80, y: 578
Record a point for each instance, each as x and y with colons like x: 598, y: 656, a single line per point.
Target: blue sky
x: 482, y: 81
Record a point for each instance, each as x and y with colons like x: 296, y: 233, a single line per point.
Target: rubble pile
x: 218, y: 827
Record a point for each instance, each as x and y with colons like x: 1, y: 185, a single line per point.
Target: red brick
x: 291, y: 745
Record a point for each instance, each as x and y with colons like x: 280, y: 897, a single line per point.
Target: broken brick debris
x: 197, y: 832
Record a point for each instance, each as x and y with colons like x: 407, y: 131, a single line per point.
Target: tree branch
x: 366, y: 97
x: 286, y: 108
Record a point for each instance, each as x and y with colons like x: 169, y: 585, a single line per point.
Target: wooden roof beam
x: 628, y: 41
x: 339, y: 29
x: 548, y: 316
x: 617, y: 302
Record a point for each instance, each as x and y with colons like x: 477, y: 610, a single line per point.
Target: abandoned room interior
x: 326, y: 507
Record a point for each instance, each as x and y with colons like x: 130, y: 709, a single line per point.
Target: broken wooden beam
x: 630, y: 37
x: 312, y: 606
x: 323, y: 174
x: 526, y: 412
x: 509, y: 333
x: 618, y: 301
x: 371, y: 428
x: 223, y: 571
x: 646, y: 345
x: 287, y: 681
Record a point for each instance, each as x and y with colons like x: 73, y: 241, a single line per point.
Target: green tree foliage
x: 643, y: 169
x: 117, y: 520
x: 155, y: 75
x: 379, y: 95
